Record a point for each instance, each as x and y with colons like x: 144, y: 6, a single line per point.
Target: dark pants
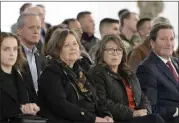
x: 175, y: 120
x: 152, y: 118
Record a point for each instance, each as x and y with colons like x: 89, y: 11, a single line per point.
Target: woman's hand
x: 100, y: 120
x: 109, y: 119
x: 140, y: 113
x: 30, y: 108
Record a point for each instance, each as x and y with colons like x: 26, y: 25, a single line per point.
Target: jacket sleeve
x: 118, y: 111
x: 145, y: 104
x: 148, y: 82
x: 52, y: 89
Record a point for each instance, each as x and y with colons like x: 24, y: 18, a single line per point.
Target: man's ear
x: 152, y: 44
x: 19, y: 31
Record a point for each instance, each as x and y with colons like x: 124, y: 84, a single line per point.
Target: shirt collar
x: 27, y: 50
x: 163, y: 59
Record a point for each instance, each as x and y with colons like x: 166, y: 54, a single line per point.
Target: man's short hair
x: 141, y: 22
x: 122, y: 11
x: 160, y: 19
x: 21, y: 19
x: 156, y: 28
x: 68, y: 21
x: 41, y: 6
x: 125, y: 15
x: 82, y: 14
x: 24, y: 6
x: 106, y: 21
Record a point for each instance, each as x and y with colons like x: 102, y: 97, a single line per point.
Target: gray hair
x: 20, y: 20
x: 160, y: 19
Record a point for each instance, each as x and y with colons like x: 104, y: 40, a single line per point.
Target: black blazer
x: 111, y: 90
x: 61, y: 101
x: 40, y: 63
x: 159, y: 85
x: 9, y: 103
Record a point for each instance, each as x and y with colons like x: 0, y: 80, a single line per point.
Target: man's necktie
x: 172, y: 70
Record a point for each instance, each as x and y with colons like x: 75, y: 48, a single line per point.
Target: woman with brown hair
x: 118, y: 87
x: 66, y: 94
x: 85, y: 58
x: 13, y: 92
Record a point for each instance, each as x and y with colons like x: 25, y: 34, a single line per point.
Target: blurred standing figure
x: 106, y: 26
x: 88, y: 39
x: 144, y: 27
x: 40, y: 12
x: 128, y: 29
x: 45, y: 25
x: 22, y: 9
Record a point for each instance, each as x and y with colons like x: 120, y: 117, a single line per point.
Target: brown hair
x: 48, y: 35
x: 20, y: 58
x: 100, y: 53
x: 156, y: 28
x: 57, y: 40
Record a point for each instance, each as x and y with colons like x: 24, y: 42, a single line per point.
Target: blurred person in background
x: 40, y: 12
x: 22, y: 8
x: 88, y: 39
x: 144, y: 26
x: 45, y: 25
x: 74, y: 25
x: 128, y: 29
x: 106, y: 26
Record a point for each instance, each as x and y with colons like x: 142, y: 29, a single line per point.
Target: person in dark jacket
x: 35, y: 60
x: 13, y: 91
x: 158, y: 74
x: 118, y: 87
x: 65, y: 92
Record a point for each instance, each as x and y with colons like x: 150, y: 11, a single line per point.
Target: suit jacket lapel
x: 175, y: 63
x: 38, y: 65
x: 163, y: 67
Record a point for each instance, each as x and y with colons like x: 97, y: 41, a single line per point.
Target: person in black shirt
x: 13, y: 92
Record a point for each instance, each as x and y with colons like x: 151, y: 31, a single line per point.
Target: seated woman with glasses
x: 13, y: 92
x: 118, y: 87
x: 65, y: 92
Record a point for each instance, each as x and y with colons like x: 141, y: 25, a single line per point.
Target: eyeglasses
x: 112, y: 50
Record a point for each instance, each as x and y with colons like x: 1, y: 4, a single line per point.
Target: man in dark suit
x: 158, y: 74
x: 29, y: 25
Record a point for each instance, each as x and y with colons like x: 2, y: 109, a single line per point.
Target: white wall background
x: 56, y: 12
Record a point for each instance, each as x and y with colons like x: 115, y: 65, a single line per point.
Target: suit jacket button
x: 82, y: 113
